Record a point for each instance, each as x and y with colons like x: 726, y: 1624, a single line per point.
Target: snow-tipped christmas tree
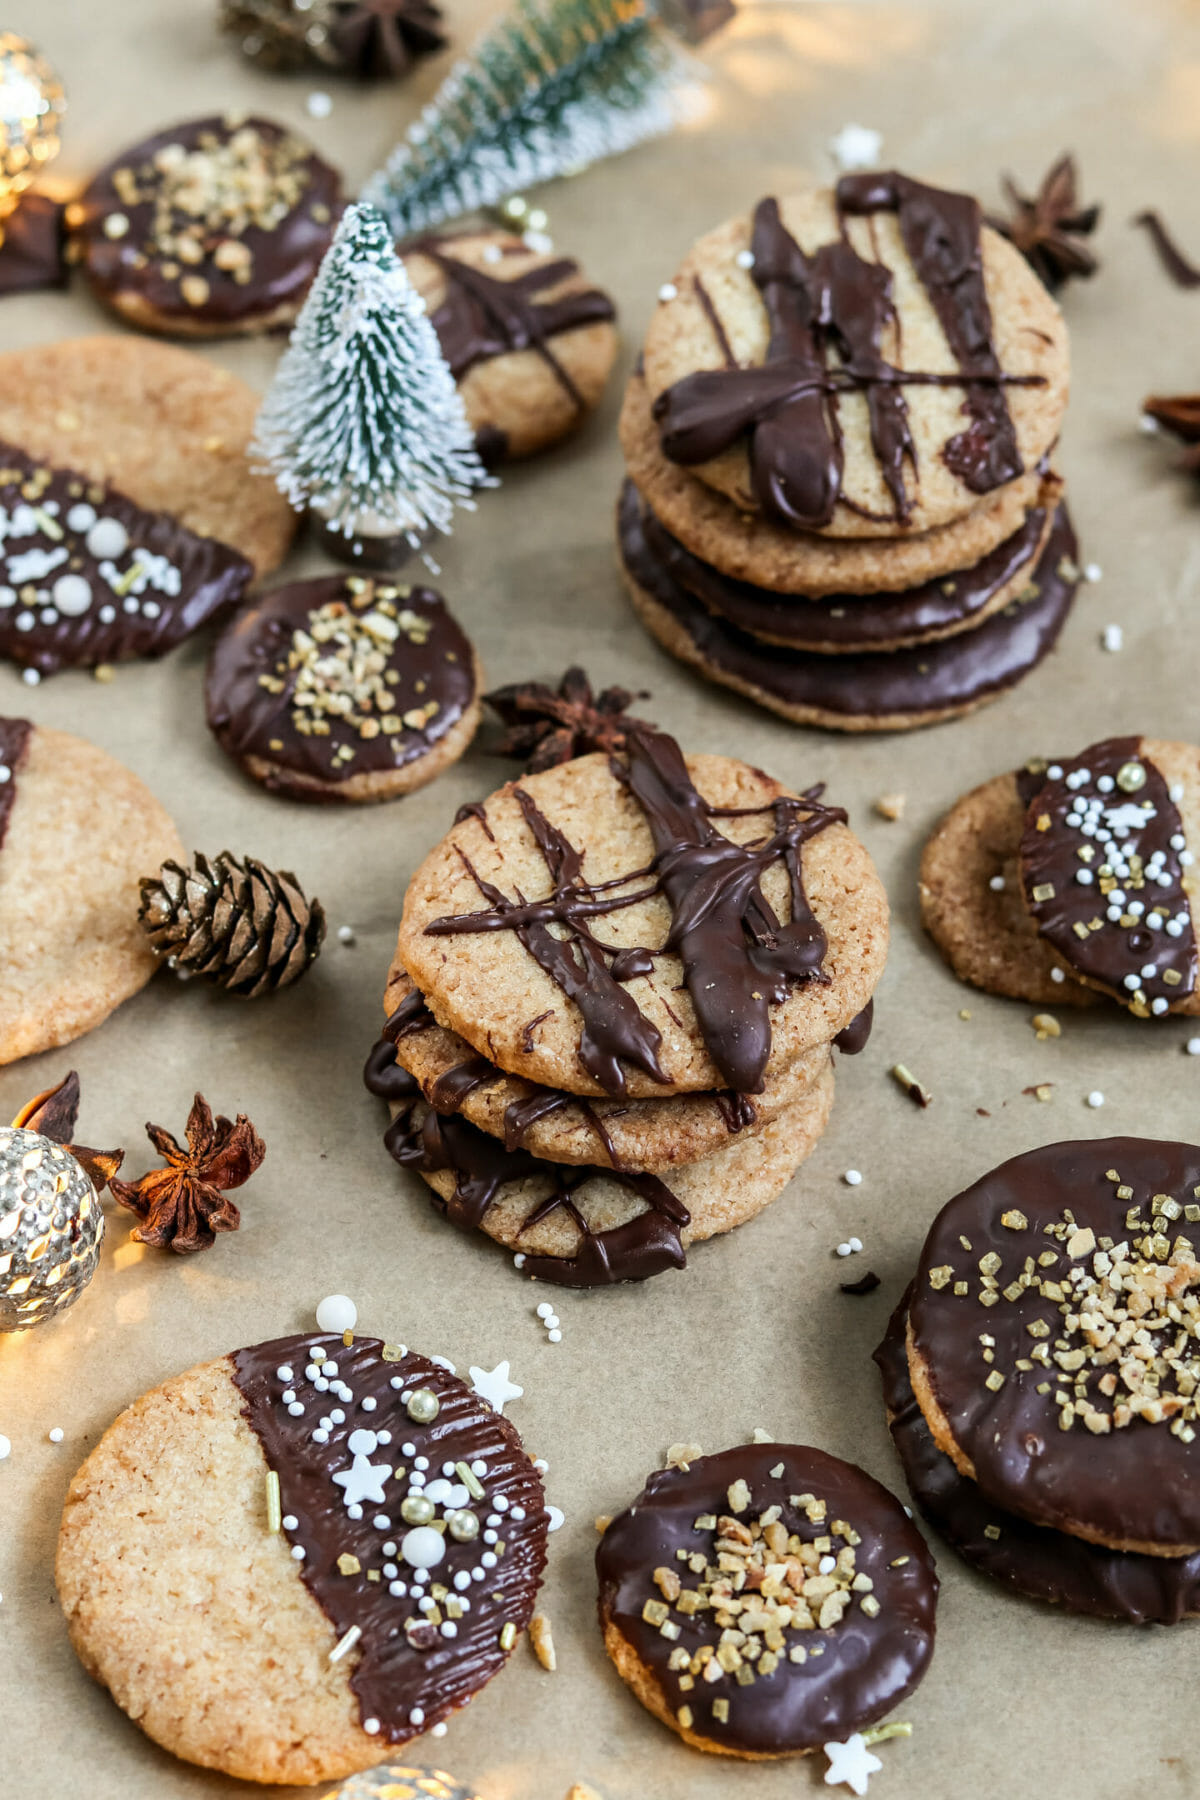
x: 363, y: 423
x: 555, y: 85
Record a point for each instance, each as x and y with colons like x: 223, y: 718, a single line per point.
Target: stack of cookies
x: 612, y: 1006
x: 1041, y: 1377
x: 839, y: 500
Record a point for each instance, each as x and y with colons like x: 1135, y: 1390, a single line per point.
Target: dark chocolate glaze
x: 383, y: 1076
x: 483, y: 316
x: 827, y: 314
x: 847, y: 622
x: 14, y: 741
x: 715, y: 320
x: 853, y: 1037
x: 482, y: 1166
x: 1029, y: 1559
x: 1049, y: 858
x: 119, y: 623
x: 875, y: 684
x: 249, y: 720
x: 285, y: 257
x: 867, y: 1665
x: 1139, y: 1484
x: 389, y: 1674
x: 1182, y: 272
x: 738, y: 958
x: 33, y: 243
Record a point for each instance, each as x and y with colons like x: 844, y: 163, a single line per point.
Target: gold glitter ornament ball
x: 31, y: 104
x: 399, y: 1781
x: 51, y: 1228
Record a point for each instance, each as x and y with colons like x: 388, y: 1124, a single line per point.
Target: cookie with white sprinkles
x: 282, y: 1561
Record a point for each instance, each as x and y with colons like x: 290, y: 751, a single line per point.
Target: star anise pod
x: 183, y: 1206
x: 382, y: 37
x: 1048, y: 227
x: 1180, y: 415
x: 53, y: 1114
x: 551, y: 725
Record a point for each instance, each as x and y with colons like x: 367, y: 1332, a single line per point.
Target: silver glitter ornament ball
x: 51, y: 1227
x: 401, y: 1781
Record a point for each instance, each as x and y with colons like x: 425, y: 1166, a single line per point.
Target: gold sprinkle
x: 274, y: 1507
x: 508, y: 1635
x: 1044, y: 891
x: 348, y: 1564
x: 344, y: 1643
x: 1014, y: 1220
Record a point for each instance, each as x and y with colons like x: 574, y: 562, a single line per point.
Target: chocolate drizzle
x: 1182, y: 272
x: 738, y: 958
x: 853, y: 1037
x: 33, y: 242
x: 87, y: 576
x: 1102, y: 862
x: 827, y: 315
x: 1030, y: 1559
x: 14, y: 741
x: 482, y: 1167
x: 483, y: 316
x: 400, y: 1665
x: 866, y: 1664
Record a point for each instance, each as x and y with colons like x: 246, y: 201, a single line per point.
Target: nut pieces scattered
x: 183, y: 1206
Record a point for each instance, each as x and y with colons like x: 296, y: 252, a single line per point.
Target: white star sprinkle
x: 850, y: 1764
x: 494, y: 1386
x: 363, y: 1480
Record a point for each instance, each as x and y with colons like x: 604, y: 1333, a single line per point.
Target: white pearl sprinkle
x: 439, y: 1730
x: 1193, y: 1046
x: 1058, y: 975
x: 284, y: 1373
x: 1084, y: 877
x: 6, y: 1447
x: 107, y: 540
x: 744, y: 259
x: 855, y: 1243
x: 296, y: 1408
x: 1112, y: 637
x: 336, y: 1312
x: 297, y: 1552
x: 289, y: 1521
x: 56, y: 1434
x: 844, y: 1250
x: 544, y: 1310
x: 72, y: 596
x: 1095, y: 1098
x: 371, y: 1726
x: 997, y: 884
x: 345, y: 934
x: 668, y: 291
x: 519, y: 1260
x: 1159, y: 1006
x: 555, y: 1337
x: 1092, y: 572
x: 852, y: 1178
x: 1148, y: 425
x: 417, y: 1716
x: 827, y: 1565
x: 319, y: 105
x: 31, y: 677
x: 369, y: 1404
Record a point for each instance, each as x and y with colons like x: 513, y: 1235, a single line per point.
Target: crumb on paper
x: 542, y: 1639
x: 891, y: 806
x: 1046, y: 1026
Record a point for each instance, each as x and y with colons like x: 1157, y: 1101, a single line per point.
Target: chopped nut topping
x: 543, y: 1642
x: 682, y: 1456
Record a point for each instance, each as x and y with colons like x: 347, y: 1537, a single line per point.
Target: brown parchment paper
x: 1019, y: 1701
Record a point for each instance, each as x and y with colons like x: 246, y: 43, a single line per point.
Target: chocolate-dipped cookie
x: 766, y: 1600
x: 1071, y: 879
x: 528, y: 339
x: 716, y: 925
x: 871, y: 690
x: 77, y: 830
x: 1054, y: 1340
x: 558, y: 1127
x: 581, y: 1225
x: 1029, y: 1559
x: 210, y: 229
x: 344, y: 688
x: 866, y: 361
x: 289, y: 1629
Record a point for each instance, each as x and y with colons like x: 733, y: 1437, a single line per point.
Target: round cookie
x: 896, y: 690
x: 210, y: 229
x: 774, y: 413
x: 640, y: 859
x: 225, y: 1639
x: 77, y: 830
x: 850, y: 624
x: 987, y: 933
x: 344, y: 688
x: 1043, y: 1357
x: 582, y: 1226
x: 836, y: 1649
x: 748, y: 547
x: 529, y: 341
x: 157, y: 423
x: 658, y: 1135
x: 1045, y: 1565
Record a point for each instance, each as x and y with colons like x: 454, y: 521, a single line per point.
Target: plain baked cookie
x: 748, y: 547
x: 631, y: 1027
x: 213, y: 1626
x: 658, y: 1135
x: 837, y: 1611
x: 77, y: 830
x: 159, y: 424
x: 529, y: 340
x: 909, y: 469
x: 589, y: 1227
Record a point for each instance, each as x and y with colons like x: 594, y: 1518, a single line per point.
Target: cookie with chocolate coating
x: 212, y: 228
x: 344, y: 688
x: 657, y: 1135
x: 1130, y: 936
x: 716, y: 926
x: 77, y: 830
x: 584, y: 1226
x: 841, y: 1615
x: 1055, y: 1360
x: 528, y: 339
x: 214, y: 1626
x: 936, y: 371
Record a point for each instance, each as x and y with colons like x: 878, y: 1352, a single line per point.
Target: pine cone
x: 237, y: 924
x: 274, y: 33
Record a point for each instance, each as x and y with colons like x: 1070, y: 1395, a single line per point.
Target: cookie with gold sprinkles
x: 344, y: 688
